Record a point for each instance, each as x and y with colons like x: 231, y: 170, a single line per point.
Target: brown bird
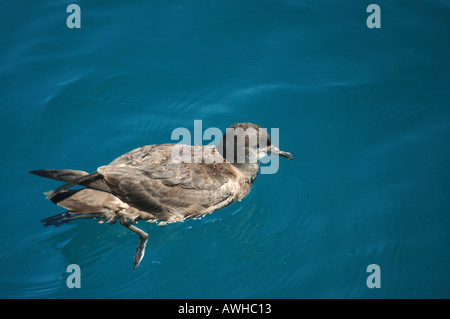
x: 151, y: 183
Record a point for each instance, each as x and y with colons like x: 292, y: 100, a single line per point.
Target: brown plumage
x: 149, y: 184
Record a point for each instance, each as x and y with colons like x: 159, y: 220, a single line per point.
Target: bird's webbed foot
x: 143, y: 237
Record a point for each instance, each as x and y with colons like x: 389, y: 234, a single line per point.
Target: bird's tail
x: 84, y: 203
x: 72, y: 178
x: 66, y: 175
x: 94, y: 201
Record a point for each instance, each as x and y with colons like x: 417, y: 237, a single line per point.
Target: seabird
x: 150, y: 183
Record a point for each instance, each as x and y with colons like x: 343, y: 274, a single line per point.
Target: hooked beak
x: 276, y: 151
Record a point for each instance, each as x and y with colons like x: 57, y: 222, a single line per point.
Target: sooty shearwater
x: 150, y: 183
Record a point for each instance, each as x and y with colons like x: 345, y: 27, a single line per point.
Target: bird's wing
x: 155, y: 161
x: 148, y: 179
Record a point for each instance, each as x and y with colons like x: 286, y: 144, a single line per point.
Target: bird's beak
x: 276, y: 151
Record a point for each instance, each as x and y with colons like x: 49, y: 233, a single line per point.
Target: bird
x: 151, y: 183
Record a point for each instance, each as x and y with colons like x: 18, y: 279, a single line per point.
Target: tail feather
x: 72, y: 178
x: 58, y: 197
x: 94, y: 201
x: 66, y: 175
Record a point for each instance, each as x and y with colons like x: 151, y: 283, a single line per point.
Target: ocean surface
x: 365, y: 112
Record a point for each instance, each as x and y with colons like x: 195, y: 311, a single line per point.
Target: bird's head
x: 248, y: 143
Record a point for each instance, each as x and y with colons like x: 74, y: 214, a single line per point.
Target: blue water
x: 365, y: 112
